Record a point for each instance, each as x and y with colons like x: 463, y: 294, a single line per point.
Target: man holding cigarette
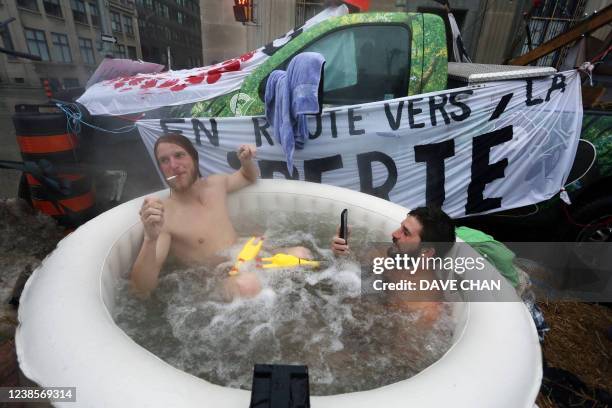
x: 193, y: 223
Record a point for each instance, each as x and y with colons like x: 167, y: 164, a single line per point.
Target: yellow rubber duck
x: 249, y: 251
x: 286, y: 261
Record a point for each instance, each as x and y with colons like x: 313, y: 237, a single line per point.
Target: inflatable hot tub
x: 67, y: 337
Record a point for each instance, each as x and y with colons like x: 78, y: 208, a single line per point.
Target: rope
x: 570, y: 219
x: 602, y: 55
x: 75, y: 120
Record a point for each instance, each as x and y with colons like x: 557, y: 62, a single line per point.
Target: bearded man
x: 193, y: 223
x: 425, y: 232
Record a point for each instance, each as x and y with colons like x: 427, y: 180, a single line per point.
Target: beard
x: 396, y: 249
x: 193, y: 177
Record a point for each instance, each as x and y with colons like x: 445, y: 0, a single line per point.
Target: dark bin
x: 46, y: 144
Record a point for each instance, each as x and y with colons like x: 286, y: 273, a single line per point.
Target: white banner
x: 475, y: 150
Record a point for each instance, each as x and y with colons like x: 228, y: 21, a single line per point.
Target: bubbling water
x: 314, y: 318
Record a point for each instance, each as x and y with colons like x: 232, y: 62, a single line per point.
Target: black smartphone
x: 344, y: 225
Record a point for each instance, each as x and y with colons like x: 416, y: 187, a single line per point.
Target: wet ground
x: 577, y: 350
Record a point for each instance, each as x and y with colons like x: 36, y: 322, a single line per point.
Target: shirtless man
x: 427, y: 232
x: 193, y: 223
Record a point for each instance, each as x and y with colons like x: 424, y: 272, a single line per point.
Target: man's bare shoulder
x: 213, y: 182
x: 216, y: 179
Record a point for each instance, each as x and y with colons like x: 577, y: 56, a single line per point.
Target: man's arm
x: 154, y: 250
x: 247, y: 174
x: 148, y: 264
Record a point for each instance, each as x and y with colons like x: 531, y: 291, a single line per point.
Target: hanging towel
x: 290, y: 96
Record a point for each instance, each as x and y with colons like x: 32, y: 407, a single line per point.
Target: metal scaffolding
x: 546, y: 22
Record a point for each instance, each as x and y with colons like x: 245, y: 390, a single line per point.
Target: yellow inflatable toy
x: 286, y: 261
x: 248, y: 253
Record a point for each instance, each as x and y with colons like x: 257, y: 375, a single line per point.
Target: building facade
x: 66, y: 35
x: 170, y: 28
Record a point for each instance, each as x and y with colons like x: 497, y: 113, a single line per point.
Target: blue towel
x: 289, y: 97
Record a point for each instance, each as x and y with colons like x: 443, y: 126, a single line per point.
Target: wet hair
x: 182, y: 141
x: 438, y: 228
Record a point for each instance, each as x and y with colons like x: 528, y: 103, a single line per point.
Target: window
x: 71, y: 83
x: 53, y: 8
x: 132, y: 53
x: 121, y: 51
x: 78, y: 11
x: 129, y: 27
x: 19, y: 80
x: 364, y: 64
x: 87, y: 52
x: 37, y: 43
x: 61, y: 49
x: 148, y: 4
x: 28, y: 4
x: 165, y: 11
x: 115, y: 21
x: 94, y: 13
x: 180, y: 17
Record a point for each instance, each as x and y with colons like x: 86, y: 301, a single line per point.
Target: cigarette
x: 171, y: 178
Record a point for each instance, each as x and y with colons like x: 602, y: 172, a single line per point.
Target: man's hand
x: 152, y: 217
x: 246, y: 152
x: 339, y: 245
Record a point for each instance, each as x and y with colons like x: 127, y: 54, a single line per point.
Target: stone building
x: 170, y: 27
x: 66, y: 35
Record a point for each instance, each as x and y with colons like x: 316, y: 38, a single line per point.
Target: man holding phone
x: 427, y: 232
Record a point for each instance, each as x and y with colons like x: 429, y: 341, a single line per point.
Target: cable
x: 599, y: 57
x: 590, y: 165
x: 604, y: 223
x: 537, y: 208
x: 75, y: 119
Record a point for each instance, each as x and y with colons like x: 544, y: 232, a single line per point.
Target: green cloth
x: 497, y: 253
